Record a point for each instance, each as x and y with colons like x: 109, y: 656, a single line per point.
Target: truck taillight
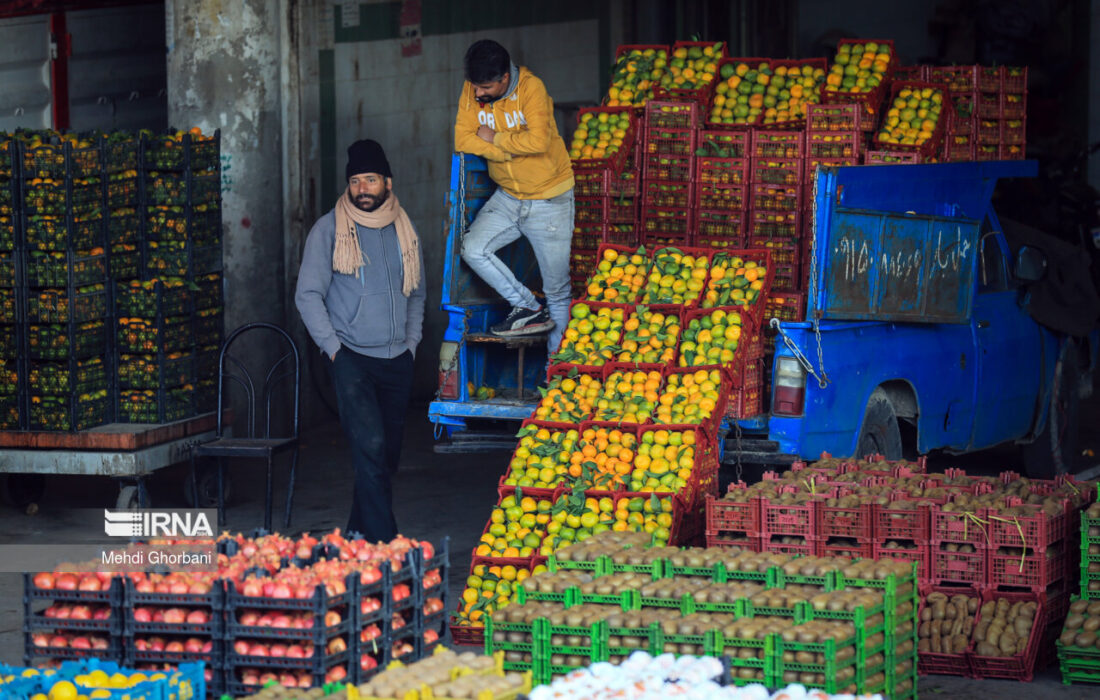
x: 790, y: 387
x: 448, y: 370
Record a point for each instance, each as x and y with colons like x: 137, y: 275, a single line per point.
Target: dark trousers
x: 372, y: 395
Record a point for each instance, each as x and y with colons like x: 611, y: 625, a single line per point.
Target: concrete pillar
x: 224, y: 63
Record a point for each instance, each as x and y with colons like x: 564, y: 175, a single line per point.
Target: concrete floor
x: 435, y: 496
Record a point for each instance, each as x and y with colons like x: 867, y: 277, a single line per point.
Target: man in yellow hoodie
x: 506, y: 116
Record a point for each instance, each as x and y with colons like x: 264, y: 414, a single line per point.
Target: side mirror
x: 1031, y: 264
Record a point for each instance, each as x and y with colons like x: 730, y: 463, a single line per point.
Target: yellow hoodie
x: 527, y: 158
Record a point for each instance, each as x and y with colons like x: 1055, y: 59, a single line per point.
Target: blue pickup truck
x: 917, y: 332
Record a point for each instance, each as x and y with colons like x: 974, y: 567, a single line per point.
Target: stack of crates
x: 605, y: 191
x: 181, y: 250
x: 1001, y: 108
x: 122, y: 217
x: 777, y: 214
x: 11, y: 413
x: 156, y: 351
x: 668, y: 169
x: 960, y: 136
x: 1081, y: 664
x: 721, y: 188
x: 65, y: 284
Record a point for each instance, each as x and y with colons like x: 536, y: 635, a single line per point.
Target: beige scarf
x: 347, y: 256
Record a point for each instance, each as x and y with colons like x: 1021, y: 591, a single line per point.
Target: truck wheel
x: 880, y: 434
x: 1055, y: 451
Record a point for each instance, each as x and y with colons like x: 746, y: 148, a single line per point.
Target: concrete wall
x: 356, y: 83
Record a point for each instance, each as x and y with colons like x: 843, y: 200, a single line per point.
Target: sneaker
x: 523, y: 322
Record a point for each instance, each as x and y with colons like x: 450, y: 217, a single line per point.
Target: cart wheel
x: 21, y: 490
x: 880, y: 433
x: 207, y: 479
x: 127, y: 498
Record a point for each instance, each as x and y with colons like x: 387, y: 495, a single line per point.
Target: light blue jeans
x: 548, y: 226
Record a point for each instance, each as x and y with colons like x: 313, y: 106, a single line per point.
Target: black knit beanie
x: 367, y: 156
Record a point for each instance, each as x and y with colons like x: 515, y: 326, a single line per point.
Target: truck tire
x: 880, y: 433
x: 1054, y: 450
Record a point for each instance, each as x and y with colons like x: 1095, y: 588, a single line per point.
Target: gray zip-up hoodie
x: 366, y: 311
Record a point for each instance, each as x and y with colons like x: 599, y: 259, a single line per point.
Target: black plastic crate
x: 10, y: 369
x: 7, y: 195
x: 124, y: 262
x: 8, y: 157
x: 68, y: 413
x: 112, y: 596
x: 166, y: 223
x: 82, y: 232
x: 79, y: 198
x: 71, y: 376
x: 165, y: 189
x: 209, y: 291
x: 77, y: 304
x: 11, y: 341
x: 37, y: 616
x: 205, y: 225
x: 145, y: 336
x: 123, y: 226
x: 139, y: 658
x: 181, y: 258
x: 10, y: 305
x: 70, y: 157
x: 206, y: 362
x: 34, y: 655
x: 209, y: 326
x: 213, y: 601
x: 121, y: 151
x: 206, y: 395
x: 12, y: 412
x: 205, y: 189
x: 58, y: 341
x: 156, y: 370
x: 152, y: 298
x: 10, y: 268
x: 54, y: 268
x: 122, y: 191
x: 155, y: 405
x: 177, y: 151
x: 8, y: 227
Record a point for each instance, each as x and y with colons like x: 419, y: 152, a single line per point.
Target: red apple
x: 59, y: 641
x: 90, y: 583
x: 140, y: 644
x: 143, y: 615
x: 257, y: 649
x: 332, y: 618
x: 241, y: 647
x: 304, y: 679
x: 80, y: 643
x: 102, y: 614
x: 281, y: 621
x: 156, y: 643
x: 41, y: 639
x: 337, y: 673
x: 250, y: 677
x: 207, y: 646
x: 294, y: 651
x: 268, y: 676
x: 175, y: 647
x: 278, y: 650
x: 249, y: 618
x: 336, y: 646
x: 65, y: 582
x: 198, y: 617
x: 146, y: 586
x: 193, y: 645
x: 43, y: 580
x: 80, y: 612
x: 288, y: 680
x: 100, y: 643
x: 367, y: 662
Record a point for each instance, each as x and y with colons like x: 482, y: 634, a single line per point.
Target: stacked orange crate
x: 775, y: 222
x: 668, y: 170
x: 960, y: 138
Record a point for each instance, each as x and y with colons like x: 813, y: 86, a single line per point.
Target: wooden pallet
x: 113, y: 436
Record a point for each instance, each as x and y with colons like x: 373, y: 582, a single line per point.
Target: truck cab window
x: 992, y: 276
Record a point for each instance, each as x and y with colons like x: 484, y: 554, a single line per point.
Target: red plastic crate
x: 587, y: 236
x: 700, y: 94
x: 958, y: 148
x: 831, y: 547
x: 620, y: 234
x: 833, y: 117
x: 902, y: 524
x: 1013, y: 132
x: 809, y: 548
x: 718, y: 224
x: 856, y: 522
x: 919, y: 555
x: 930, y: 147
x: 1036, y: 570
x: 722, y: 171
x: 627, y: 183
x: 661, y: 193
x: 589, y: 210
x: 785, y: 306
x: 1014, y: 79
x: 870, y: 101
x: 833, y: 144
x: 962, y: 114
x: 989, y: 78
x: 789, y: 278
x: 1014, y: 106
x: 666, y: 220
x: 985, y: 152
x: 918, y: 72
x: 1008, y: 151
x: 669, y: 141
x: 1020, y: 667
x: 666, y: 114
x: 773, y: 225
x: 723, y: 143
x: 748, y: 401
x: 794, y: 520
x: 1035, y: 531
x: 957, y: 567
x: 889, y: 157
x: 778, y: 145
x: 719, y: 243
x: 989, y: 132
x: 722, y: 538
x: 590, y: 182
x: 812, y: 164
x: 988, y: 105
x: 767, y: 171
x: 715, y: 197
x: 753, y: 63
x: 946, y: 664
x: 582, y: 261
x: 797, y: 121
x: 723, y: 515
x: 660, y: 240
x: 956, y: 78
x: 660, y: 166
x: 778, y: 198
x: 959, y: 527
x: 783, y: 252
x: 617, y: 160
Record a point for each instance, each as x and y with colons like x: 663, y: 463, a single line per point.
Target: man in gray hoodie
x: 361, y: 297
